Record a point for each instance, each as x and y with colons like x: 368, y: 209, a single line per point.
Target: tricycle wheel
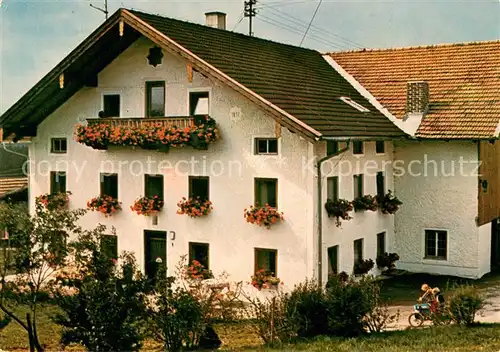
x: 415, y: 320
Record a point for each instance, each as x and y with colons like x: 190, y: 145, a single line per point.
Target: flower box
x: 194, y: 207
x: 339, y: 209
x: 362, y: 267
x: 55, y: 201
x: 389, y: 204
x: 365, y: 203
x: 263, y: 216
x: 264, y: 279
x: 104, y: 204
x: 196, y: 271
x: 147, y: 206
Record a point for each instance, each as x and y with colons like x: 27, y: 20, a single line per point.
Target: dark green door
x: 155, y: 247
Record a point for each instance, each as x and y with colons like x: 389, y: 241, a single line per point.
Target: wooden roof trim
x: 201, y: 65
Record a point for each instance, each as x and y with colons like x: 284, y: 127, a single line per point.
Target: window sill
x: 440, y: 259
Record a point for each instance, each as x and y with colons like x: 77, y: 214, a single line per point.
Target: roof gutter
x: 320, y: 210
x: 347, y: 139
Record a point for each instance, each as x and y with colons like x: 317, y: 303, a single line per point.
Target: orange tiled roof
x: 8, y: 185
x: 464, y: 84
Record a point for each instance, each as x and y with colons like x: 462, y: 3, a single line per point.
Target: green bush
x: 387, y: 260
x: 464, y: 303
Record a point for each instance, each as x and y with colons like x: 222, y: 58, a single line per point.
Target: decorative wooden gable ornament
x: 155, y: 56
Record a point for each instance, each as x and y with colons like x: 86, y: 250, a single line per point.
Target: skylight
x: 355, y: 105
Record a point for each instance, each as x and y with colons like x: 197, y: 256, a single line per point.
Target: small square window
x: 266, y: 192
x: 111, y: 105
x: 333, y: 260
x: 381, y: 243
x: 199, y: 252
x: 109, y: 185
x: 357, y: 147
x: 199, y: 187
x: 436, y: 243
x: 199, y: 103
x: 266, y: 146
x: 155, y: 99
x: 332, y: 188
x: 58, y: 145
x: 109, y: 246
x: 380, y: 184
x: 332, y: 147
x: 153, y: 186
x: 266, y: 259
x: 358, y: 186
x: 380, y: 147
x: 358, y: 250
x: 57, y: 182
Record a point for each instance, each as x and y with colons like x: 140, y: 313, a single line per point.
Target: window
x: 357, y: 147
x: 109, y: 185
x: 355, y: 105
x: 198, y: 103
x: 380, y: 243
x: 436, y: 244
x: 58, y: 145
x: 266, y: 146
x: 155, y: 99
x: 153, y: 186
x: 380, y: 147
x: 109, y: 246
x: 199, y: 252
x: 266, y: 192
x: 332, y: 188
x: 111, y: 105
x: 332, y: 147
x: 333, y: 260
x: 358, y: 186
x: 380, y: 184
x: 57, y: 182
x: 266, y: 259
x: 199, y: 187
x: 358, y: 250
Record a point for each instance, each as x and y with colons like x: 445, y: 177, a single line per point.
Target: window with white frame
x: 436, y: 244
x: 266, y: 146
x: 58, y: 145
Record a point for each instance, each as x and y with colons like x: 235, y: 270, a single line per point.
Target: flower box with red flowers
x: 338, y: 208
x: 264, y: 279
x: 263, y: 216
x: 366, y: 202
x: 148, y: 206
x: 54, y: 201
x: 104, y: 204
x: 194, y: 207
x: 389, y: 204
x: 197, y: 271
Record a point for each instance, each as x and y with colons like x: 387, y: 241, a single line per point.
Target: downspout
x: 320, y: 210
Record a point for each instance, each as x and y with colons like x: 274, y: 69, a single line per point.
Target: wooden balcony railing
x: 180, y: 122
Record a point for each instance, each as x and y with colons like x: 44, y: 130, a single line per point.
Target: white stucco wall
x: 438, y: 198
x: 484, y: 249
x: 365, y: 224
x: 231, y: 239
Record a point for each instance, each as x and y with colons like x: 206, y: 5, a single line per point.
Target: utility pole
x: 250, y: 13
x: 104, y: 10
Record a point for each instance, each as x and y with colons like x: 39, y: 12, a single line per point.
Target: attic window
x: 355, y: 105
x: 155, y: 56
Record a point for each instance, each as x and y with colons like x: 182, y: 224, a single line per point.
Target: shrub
x: 104, y: 204
x: 147, y: 206
x: 339, y: 209
x: 387, y: 260
x: 347, y: 304
x: 379, y: 318
x: 263, y: 216
x: 194, y: 207
x: 365, y: 203
x: 363, y: 267
x: 389, y: 204
x: 464, y: 303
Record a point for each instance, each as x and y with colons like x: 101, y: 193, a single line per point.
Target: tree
x: 33, y: 249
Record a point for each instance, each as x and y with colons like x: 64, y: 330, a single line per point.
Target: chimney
x: 417, y: 97
x: 216, y: 19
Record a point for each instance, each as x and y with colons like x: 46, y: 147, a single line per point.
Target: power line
x: 283, y: 3
x: 240, y: 19
x: 310, y: 22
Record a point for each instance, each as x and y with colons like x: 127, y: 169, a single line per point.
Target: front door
x: 495, y: 245
x: 155, y: 252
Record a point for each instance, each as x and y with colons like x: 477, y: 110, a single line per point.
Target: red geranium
x: 104, y: 204
x: 263, y: 216
x: 147, y: 206
x: 194, y: 207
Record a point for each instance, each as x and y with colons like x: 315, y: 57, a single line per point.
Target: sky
x: 35, y: 35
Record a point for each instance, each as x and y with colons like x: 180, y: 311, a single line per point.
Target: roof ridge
x: 220, y: 30
x: 415, y: 47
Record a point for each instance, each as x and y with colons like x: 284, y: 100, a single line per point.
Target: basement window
x: 355, y: 105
